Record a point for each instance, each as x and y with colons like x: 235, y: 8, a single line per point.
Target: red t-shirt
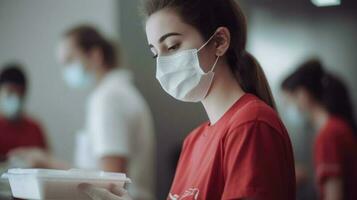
x: 247, y: 153
x: 23, y: 133
x: 335, y: 155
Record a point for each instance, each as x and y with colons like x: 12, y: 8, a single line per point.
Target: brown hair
x: 327, y: 89
x: 207, y: 16
x: 87, y: 38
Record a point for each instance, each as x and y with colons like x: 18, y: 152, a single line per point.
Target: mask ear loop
x: 215, y: 63
x: 206, y: 42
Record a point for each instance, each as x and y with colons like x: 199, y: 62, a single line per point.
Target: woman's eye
x: 174, y: 47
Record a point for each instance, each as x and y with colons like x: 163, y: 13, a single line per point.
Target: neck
x: 224, y: 92
x: 12, y: 120
x: 319, y: 116
x: 101, y: 72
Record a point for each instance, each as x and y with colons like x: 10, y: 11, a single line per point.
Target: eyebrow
x: 164, y: 37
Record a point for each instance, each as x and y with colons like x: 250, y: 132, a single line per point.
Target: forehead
x: 12, y: 88
x: 66, y: 49
x: 162, y: 22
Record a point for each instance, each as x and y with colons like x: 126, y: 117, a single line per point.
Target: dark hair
x: 87, y: 38
x: 326, y: 88
x: 13, y: 73
x: 208, y: 15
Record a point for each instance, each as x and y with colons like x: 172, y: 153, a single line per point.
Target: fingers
x: 87, y: 189
x: 97, y: 193
x: 30, y: 156
x: 118, y: 190
x: 27, y: 152
x: 17, y: 151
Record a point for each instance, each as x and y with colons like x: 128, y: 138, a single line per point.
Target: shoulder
x: 195, y: 133
x: 31, y: 121
x: 335, y: 129
x: 256, y: 122
x: 116, y: 89
x: 337, y: 123
x: 33, y: 124
x: 255, y: 111
x: 2, y: 120
x: 114, y: 96
x: 247, y: 114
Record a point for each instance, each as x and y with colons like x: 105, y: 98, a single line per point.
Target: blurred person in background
x: 322, y: 99
x: 118, y: 135
x: 18, y: 131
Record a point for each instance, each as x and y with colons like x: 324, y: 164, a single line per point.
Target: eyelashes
x: 171, y: 49
x: 174, y: 47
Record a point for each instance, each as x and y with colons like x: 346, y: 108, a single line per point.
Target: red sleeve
x: 254, y: 153
x: 41, y: 137
x: 328, y: 157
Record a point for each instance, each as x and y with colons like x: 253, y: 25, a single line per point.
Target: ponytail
x: 110, y: 53
x: 336, y: 99
x: 252, y: 79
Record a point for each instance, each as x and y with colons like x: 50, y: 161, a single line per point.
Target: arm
x: 333, y: 189
x: 45, y: 158
x: 114, y: 164
x: 111, y: 133
x: 301, y: 174
x: 43, y: 141
x: 328, y: 159
x: 37, y: 158
x: 113, y: 193
x: 257, y: 164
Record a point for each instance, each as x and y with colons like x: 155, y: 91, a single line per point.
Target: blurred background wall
x: 282, y: 33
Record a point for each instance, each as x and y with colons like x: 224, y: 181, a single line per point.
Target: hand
x: 29, y: 157
x: 34, y: 157
x: 302, y: 174
x: 95, y: 193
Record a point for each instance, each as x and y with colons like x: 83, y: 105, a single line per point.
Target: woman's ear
x: 222, y: 40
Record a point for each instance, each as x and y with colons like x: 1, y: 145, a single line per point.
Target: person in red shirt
x: 17, y: 130
x: 324, y: 99
x: 244, y: 151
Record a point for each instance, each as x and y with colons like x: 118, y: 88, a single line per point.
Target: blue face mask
x: 295, y: 117
x: 10, y: 105
x: 76, y: 76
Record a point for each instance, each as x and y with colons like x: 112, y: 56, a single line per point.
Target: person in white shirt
x: 118, y: 135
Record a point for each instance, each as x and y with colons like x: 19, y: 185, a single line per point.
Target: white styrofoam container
x: 48, y: 184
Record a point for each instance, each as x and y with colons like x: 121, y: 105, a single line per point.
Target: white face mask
x: 10, y: 105
x: 181, y: 75
x: 76, y: 76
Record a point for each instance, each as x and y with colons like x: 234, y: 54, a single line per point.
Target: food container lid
x: 68, y: 174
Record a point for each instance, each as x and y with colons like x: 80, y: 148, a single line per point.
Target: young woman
x: 325, y: 101
x: 244, y: 151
